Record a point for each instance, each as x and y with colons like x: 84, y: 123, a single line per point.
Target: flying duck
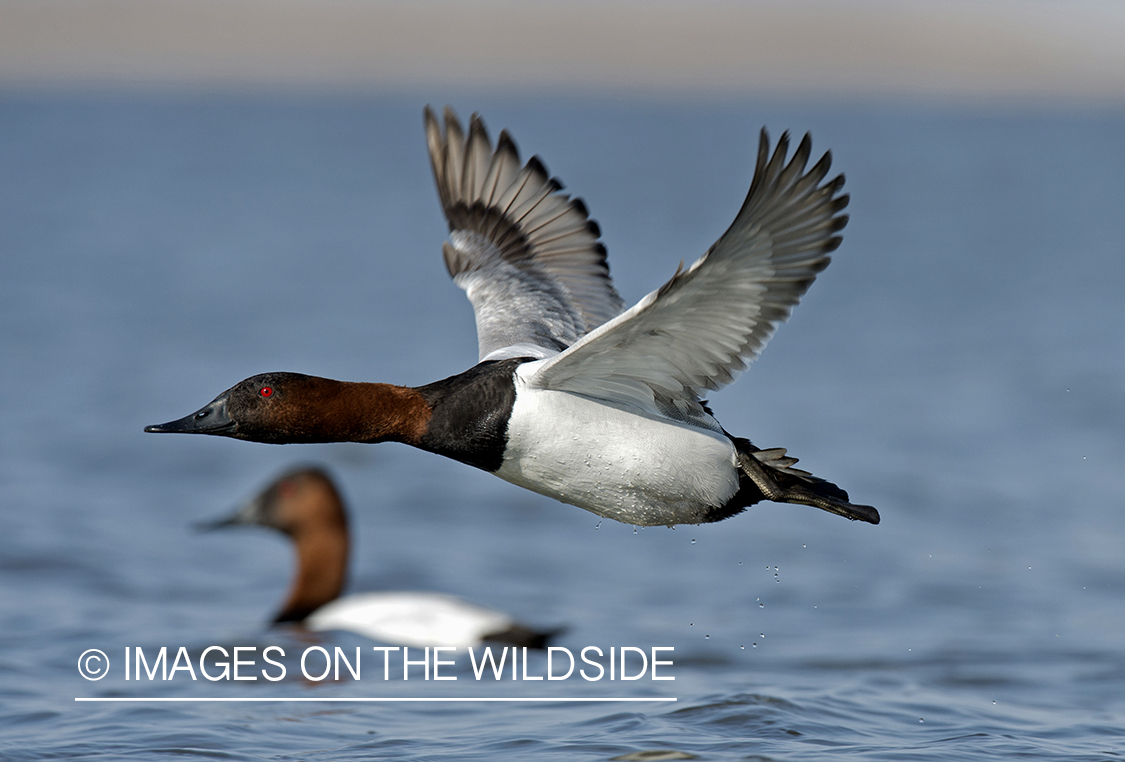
x: 575, y: 396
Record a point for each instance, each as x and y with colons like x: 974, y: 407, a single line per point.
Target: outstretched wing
x: 527, y: 255
x: 707, y: 323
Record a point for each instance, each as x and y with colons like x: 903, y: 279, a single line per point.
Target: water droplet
x: 706, y: 637
x: 804, y: 546
x: 691, y: 624
x: 693, y: 542
x: 753, y: 645
x: 599, y: 524
x: 762, y: 635
x: 744, y: 648
x: 921, y: 719
x: 994, y: 700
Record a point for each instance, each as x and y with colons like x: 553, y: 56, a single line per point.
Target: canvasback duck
x: 305, y: 505
x: 575, y: 397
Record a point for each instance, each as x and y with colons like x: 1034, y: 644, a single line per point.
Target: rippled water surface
x: 959, y: 365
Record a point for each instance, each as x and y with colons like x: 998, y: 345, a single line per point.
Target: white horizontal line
x: 379, y: 698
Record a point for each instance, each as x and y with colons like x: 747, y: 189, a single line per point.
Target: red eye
x: 266, y: 391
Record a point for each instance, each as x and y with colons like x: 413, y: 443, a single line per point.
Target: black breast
x: 471, y: 412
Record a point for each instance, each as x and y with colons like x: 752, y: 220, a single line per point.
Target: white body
x: 410, y: 619
x: 614, y: 462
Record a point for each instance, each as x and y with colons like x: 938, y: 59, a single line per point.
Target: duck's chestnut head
x: 299, y: 501
x: 284, y: 408
x: 269, y: 407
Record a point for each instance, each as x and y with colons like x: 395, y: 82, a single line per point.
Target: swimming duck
x: 305, y: 505
x: 574, y: 396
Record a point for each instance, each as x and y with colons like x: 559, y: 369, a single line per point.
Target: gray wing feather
x: 527, y: 255
x: 702, y: 327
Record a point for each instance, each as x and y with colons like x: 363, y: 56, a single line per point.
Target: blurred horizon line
x: 1039, y: 51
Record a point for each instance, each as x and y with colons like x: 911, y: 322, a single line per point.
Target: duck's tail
x: 769, y: 475
x: 519, y: 635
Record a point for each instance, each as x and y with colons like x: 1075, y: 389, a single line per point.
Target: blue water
x: 960, y: 366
